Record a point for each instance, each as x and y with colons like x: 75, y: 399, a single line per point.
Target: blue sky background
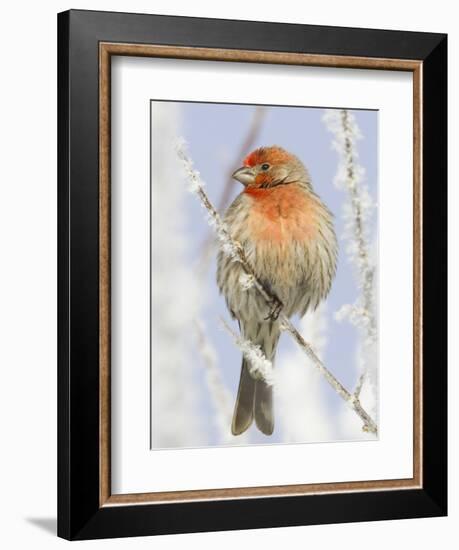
x: 214, y: 133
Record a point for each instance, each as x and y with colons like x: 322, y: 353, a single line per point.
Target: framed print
x: 252, y: 274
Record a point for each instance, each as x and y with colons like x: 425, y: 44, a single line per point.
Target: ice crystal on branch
x: 259, y: 366
x: 193, y: 176
x: 246, y: 281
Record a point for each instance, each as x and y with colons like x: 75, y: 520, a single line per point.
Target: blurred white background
x: 28, y: 275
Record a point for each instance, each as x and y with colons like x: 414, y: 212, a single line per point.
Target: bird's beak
x: 244, y: 175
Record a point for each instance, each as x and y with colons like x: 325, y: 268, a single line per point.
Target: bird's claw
x: 275, y: 307
x: 238, y: 246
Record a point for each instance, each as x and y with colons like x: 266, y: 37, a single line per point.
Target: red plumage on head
x: 272, y: 155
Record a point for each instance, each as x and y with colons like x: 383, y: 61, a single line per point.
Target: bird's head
x: 268, y: 167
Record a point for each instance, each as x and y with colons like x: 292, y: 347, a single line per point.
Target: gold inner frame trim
x: 106, y: 50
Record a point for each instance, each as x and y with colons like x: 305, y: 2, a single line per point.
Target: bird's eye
x: 265, y: 166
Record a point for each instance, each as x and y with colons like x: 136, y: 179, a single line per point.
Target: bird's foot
x: 275, y: 307
x: 239, y: 249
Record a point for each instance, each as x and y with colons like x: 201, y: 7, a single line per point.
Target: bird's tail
x: 254, y: 397
x: 243, y: 409
x: 263, y: 407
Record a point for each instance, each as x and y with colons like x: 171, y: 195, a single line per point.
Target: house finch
x: 287, y: 234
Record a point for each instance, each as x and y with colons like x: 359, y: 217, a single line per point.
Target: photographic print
x: 250, y: 281
x: 264, y: 270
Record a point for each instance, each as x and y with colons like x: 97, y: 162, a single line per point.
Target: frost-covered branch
x: 357, y: 213
x: 259, y: 366
x: 233, y: 249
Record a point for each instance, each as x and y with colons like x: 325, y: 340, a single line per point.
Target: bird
x: 287, y: 235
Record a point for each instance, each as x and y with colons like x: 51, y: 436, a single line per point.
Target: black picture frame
x: 80, y: 515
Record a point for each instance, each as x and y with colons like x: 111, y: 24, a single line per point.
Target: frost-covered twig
x: 235, y: 250
x: 260, y: 367
x: 357, y: 212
